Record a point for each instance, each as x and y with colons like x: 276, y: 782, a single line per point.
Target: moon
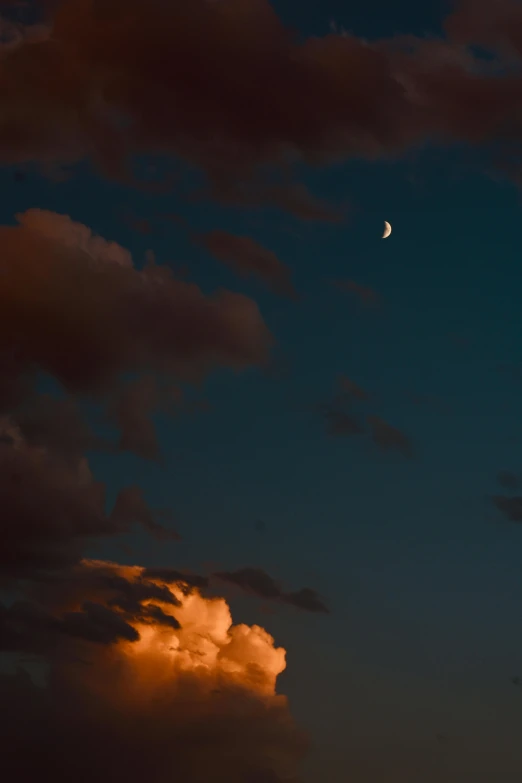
x: 387, y: 230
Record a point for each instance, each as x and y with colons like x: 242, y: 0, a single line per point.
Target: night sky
x: 214, y: 370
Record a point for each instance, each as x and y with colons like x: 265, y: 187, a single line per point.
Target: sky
x: 260, y: 468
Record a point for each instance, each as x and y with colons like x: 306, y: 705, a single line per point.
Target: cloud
x: 247, y: 257
x: 509, y: 507
x: 131, y: 411
x: 498, y: 27
x: 508, y: 480
x: 138, y: 77
x: 97, y: 623
x: 367, y: 296
x: 67, y: 233
x: 143, y: 674
x: 306, y: 599
x: 195, y: 699
x: 93, y: 600
x: 293, y: 198
x: 85, y: 317
x: 352, y: 389
x: 389, y: 438
x: 173, y: 576
x: 51, y: 509
x: 131, y: 507
x: 340, y: 423
x: 57, y: 424
x: 344, y: 420
x: 258, y: 582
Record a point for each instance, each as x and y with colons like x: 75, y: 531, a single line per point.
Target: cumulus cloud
x: 144, y: 675
x: 61, y: 230
x: 193, y: 699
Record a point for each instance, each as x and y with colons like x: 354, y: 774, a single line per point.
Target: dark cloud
x: 352, y: 389
x: 103, y: 582
x: 85, y: 315
x: 389, y: 438
x: 49, y: 511
x: 129, y: 595
x: 130, y: 507
x: 339, y: 422
x: 183, y: 730
x: 508, y: 480
x: 97, y: 623
x: 138, y: 224
x: 275, y: 99
x: 27, y: 628
x: 17, y: 378
x: 153, y: 696
x: 306, y: 599
x: 159, y: 617
x: 252, y: 579
x: 172, y: 576
x: 436, y: 404
x: 367, y: 296
x: 247, y: 257
x: 73, y: 306
x: 58, y: 425
x: 52, y: 508
x: 342, y: 416
x: 97, y: 602
x: 497, y: 27
x: 511, y: 371
x: 509, y: 507
x: 131, y: 411
x: 142, y: 225
x: 293, y: 198
x: 258, y: 582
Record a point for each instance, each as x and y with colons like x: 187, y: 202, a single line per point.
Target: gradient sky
x: 409, y: 676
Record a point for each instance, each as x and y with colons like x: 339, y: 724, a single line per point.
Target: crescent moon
x: 387, y: 230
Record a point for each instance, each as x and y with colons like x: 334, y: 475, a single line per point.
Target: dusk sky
x: 260, y: 468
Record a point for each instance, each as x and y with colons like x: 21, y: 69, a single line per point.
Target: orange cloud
x: 195, y: 700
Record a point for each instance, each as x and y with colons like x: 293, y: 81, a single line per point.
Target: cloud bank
x: 132, y: 77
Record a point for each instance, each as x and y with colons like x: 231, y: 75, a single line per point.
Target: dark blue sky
x: 422, y: 576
